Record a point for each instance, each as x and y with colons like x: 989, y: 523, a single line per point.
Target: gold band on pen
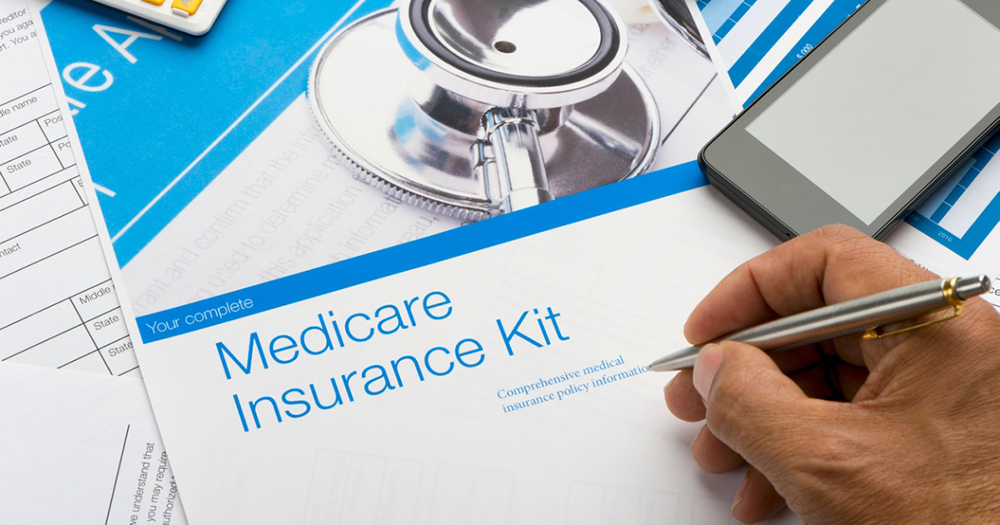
x: 950, y: 295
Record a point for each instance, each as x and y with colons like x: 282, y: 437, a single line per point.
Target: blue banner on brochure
x: 415, y: 254
x: 236, y: 80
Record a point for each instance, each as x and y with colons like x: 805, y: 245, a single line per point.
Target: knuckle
x: 822, y: 457
x: 834, y: 233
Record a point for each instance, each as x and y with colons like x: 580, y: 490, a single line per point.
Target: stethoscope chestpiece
x: 521, y: 53
x: 481, y: 107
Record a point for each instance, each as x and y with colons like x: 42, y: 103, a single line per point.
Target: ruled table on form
x: 58, y: 306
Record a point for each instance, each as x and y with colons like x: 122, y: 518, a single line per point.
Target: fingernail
x: 739, y: 495
x: 709, y: 359
x: 696, y: 439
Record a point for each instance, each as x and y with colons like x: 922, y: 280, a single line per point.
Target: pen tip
x: 675, y: 361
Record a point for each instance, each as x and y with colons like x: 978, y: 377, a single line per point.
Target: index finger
x: 828, y: 265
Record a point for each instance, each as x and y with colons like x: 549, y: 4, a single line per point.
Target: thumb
x: 757, y: 410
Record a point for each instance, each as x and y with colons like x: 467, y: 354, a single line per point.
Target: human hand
x: 904, y: 429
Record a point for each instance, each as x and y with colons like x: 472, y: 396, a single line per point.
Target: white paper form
x: 74, y: 446
x: 59, y: 306
x: 85, y: 452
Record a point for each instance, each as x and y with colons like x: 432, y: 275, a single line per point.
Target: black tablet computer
x: 869, y: 122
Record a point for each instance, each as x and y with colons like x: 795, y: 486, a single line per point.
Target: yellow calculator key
x: 185, y: 7
x: 194, y: 17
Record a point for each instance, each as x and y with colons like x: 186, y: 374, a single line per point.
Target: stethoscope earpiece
x: 479, y: 107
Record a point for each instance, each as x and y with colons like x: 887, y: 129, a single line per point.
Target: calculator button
x: 154, y: 2
x: 185, y: 7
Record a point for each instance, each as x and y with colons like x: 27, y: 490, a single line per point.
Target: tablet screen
x: 882, y: 107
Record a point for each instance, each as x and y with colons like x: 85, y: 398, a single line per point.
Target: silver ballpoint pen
x: 864, y: 314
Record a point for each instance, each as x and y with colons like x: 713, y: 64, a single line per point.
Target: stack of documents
x: 317, y: 350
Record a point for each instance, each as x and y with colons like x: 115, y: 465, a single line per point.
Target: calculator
x: 194, y: 17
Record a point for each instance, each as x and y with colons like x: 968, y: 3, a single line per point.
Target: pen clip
x: 955, y: 303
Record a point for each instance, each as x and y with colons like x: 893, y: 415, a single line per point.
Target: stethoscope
x: 474, y: 108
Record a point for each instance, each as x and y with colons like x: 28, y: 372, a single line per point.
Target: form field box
x: 27, y: 108
x: 91, y: 362
x: 359, y: 488
x: 80, y: 190
x: 64, y: 151
x: 36, y: 328
x: 47, y: 205
x: 608, y: 504
x: 57, y: 351
x: 707, y: 510
x: 120, y: 356
x: 19, y: 141
x: 107, y: 328
x: 30, y: 168
x: 472, y: 495
x: 326, y: 492
x: 53, y: 126
x: 95, y: 301
x: 65, y: 274
x: 40, y: 243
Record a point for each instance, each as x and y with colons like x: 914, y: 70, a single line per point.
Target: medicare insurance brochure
x: 318, y: 351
